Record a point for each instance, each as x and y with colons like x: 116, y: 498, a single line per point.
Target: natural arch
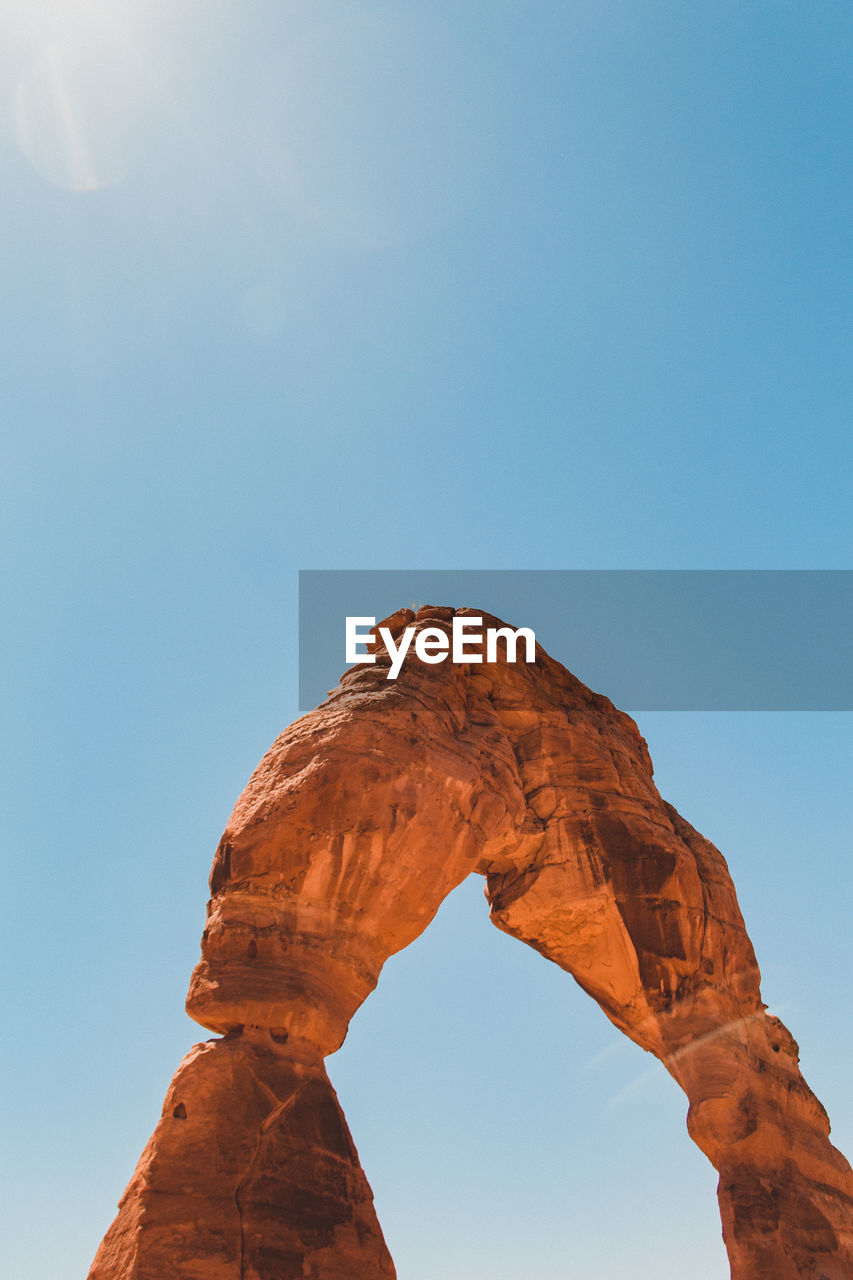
x: 355, y: 826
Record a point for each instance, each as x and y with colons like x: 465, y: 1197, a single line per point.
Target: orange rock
x: 355, y: 826
x: 251, y: 1172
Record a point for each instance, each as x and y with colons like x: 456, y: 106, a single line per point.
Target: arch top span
x: 368, y: 811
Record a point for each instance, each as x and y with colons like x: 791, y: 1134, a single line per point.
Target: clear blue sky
x: 476, y: 285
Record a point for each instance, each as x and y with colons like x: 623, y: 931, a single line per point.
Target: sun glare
x: 46, y: 20
x: 80, y: 90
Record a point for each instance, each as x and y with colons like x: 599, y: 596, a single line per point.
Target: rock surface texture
x: 356, y: 824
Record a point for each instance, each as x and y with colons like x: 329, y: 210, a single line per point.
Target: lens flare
x: 76, y: 108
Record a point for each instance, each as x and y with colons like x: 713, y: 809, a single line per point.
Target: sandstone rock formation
x: 357, y: 823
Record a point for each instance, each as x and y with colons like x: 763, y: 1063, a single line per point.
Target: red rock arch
x: 353, y: 829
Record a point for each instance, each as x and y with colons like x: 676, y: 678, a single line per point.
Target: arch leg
x: 673, y: 968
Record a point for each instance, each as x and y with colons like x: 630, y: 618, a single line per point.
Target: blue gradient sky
x: 553, y: 285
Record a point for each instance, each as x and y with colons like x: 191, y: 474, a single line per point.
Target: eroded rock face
x: 355, y: 826
x: 250, y: 1172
